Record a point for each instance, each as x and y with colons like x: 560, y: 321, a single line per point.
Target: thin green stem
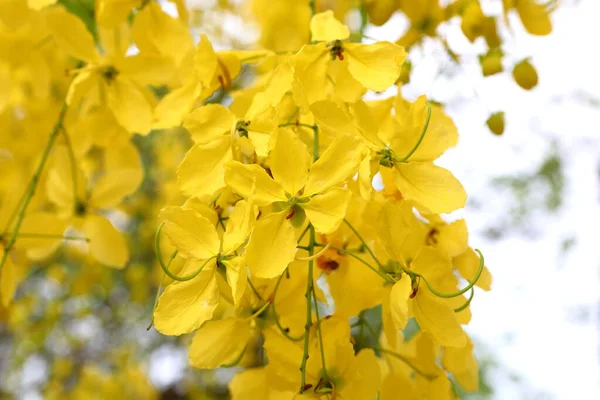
x: 307, y: 326
x: 73, y: 165
x: 364, y: 243
x: 30, y: 191
x: 351, y: 254
x: 312, y: 127
x: 312, y: 4
x: 418, y: 143
x: 467, y: 303
x: 284, y: 331
x: 316, y: 143
x: 455, y: 294
x: 303, y: 233
x: 166, y: 269
x: 320, y: 335
x: 254, y: 289
x: 162, y: 282
x: 405, y: 361
x: 47, y: 236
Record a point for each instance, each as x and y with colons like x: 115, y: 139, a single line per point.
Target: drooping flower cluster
x: 284, y: 238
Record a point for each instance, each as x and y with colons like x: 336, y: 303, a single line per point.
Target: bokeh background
x: 534, y: 209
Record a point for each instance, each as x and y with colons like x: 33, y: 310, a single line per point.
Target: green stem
x: 312, y: 4
x: 166, y: 269
x: 73, y: 165
x: 47, y: 236
x: 283, y: 330
x: 30, y: 191
x: 405, y: 361
x: 364, y: 243
x: 455, y: 294
x: 254, y: 289
x: 351, y: 254
x: 307, y: 326
x: 421, y: 136
x: 467, y: 303
x: 320, y: 335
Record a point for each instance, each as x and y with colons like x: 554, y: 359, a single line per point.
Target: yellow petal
x: 193, y: 235
x: 147, y: 69
x: 129, y: 106
x: 394, y: 384
x: 205, y: 61
x: 398, y: 230
x: 433, y: 187
x: 441, y: 132
x: 10, y: 277
x: 370, y: 375
x: 209, y: 122
x: 185, y: 305
x: 438, y: 319
x: 467, y: 264
x: 326, y: 211
x: 377, y: 66
x: 310, y: 72
x: 70, y: 34
x: 399, y: 302
x: 115, y: 41
x: 124, y: 175
x: 240, y: 178
x: 535, y: 17
x: 106, y: 244
x: 41, y: 223
x: 210, y: 158
x: 113, y: 12
x: 239, y: 225
x: 39, y: 4
x: 219, y: 343
x: 338, y: 163
x: 237, y: 277
x: 462, y: 364
x: 154, y: 31
x: 324, y: 27
x: 434, y: 266
x: 272, y: 246
x: 453, y: 238
x: 290, y: 161
x: 171, y: 109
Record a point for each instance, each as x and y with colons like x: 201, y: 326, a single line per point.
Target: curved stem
x: 405, y: 361
x: 462, y: 291
x: 30, y: 191
x: 363, y: 242
x: 166, y: 269
x: 284, y: 331
x: 351, y: 254
x: 467, y: 303
x: 237, y: 360
x: 421, y: 136
x: 316, y: 255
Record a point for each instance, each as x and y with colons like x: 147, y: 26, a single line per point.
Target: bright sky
x: 540, y: 321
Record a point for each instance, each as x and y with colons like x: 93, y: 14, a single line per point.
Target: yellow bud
x: 491, y: 63
x: 525, y: 75
x: 496, y: 123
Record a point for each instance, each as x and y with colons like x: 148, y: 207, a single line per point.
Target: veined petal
x: 433, y: 187
x: 326, y: 211
x: 129, y: 106
x: 209, y: 122
x: 438, y: 319
x: 201, y: 171
x: 399, y: 302
x: 339, y: 162
x: 185, y: 305
x: 290, y: 161
x: 324, y: 27
x: 377, y: 66
x: 107, y: 245
x: 240, y: 178
x: 219, y: 343
x: 193, y: 235
x: 70, y: 34
x: 272, y: 246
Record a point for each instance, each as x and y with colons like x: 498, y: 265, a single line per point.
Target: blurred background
x: 534, y: 210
